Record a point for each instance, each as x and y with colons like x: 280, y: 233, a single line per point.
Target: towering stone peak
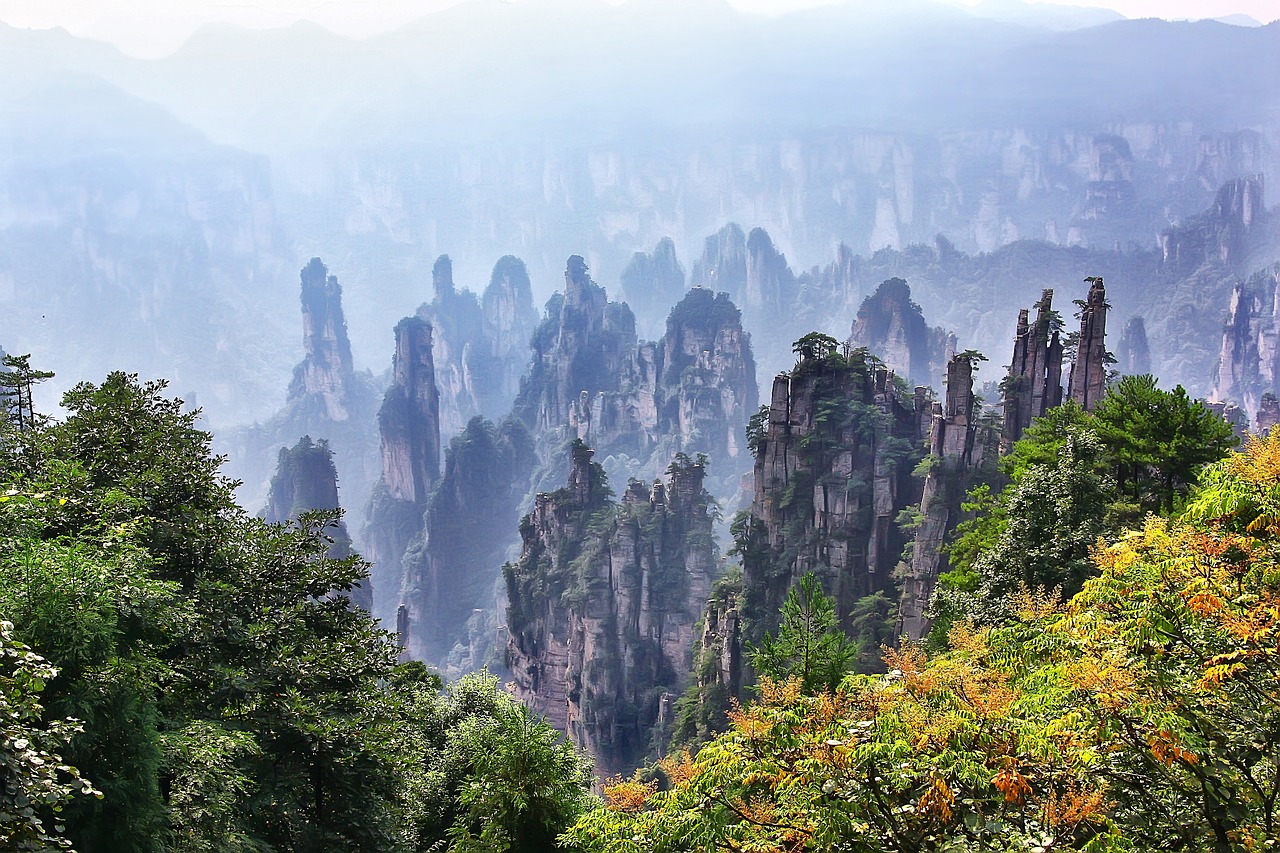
x: 603, y: 603
x: 707, y: 385
x: 326, y: 370
x: 1034, y: 384
x: 451, y: 569
x: 409, y: 420
x: 956, y: 448
x: 1088, y: 382
x: 585, y: 345
x: 1133, y: 354
x: 1223, y: 235
x: 893, y: 328
x: 833, y: 460
x: 307, y: 480
x: 723, y: 265
x: 1249, y: 358
x: 480, y: 345
x: 442, y: 278
x: 651, y: 283
x: 771, y: 286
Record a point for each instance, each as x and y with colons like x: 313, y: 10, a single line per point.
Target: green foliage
x: 809, y: 646
x: 37, y: 782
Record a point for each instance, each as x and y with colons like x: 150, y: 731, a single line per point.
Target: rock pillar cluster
x: 1034, y: 384
x: 326, y: 370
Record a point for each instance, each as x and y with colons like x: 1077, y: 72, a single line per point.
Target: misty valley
x: 842, y: 430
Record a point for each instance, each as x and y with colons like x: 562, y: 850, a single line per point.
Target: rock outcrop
x: 306, y: 480
x: 1088, y: 382
x: 480, y: 345
x: 326, y: 372
x: 893, y: 328
x: 1225, y: 234
x: 409, y: 428
x: 956, y: 447
x: 603, y: 603
x: 833, y: 460
x: 1133, y: 354
x: 1034, y: 384
x: 1249, y: 358
x: 723, y: 265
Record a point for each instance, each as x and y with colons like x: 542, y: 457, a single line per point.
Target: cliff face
x: 1133, y: 354
x: 480, y: 345
x: 723, y: 265
x: 1034, y: 384
x: 1249, y: 359
x: 833, y: 462
x: 638, y: 402
x: 957, y: 445
x: 1088, y: 382
x: 892, y: 327
x: 306, y: 480
x: 1224, y: 234
x: 603, y: 603
x: 409, y: 428
x: 451, y: 569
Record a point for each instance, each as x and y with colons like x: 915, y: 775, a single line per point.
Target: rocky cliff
x: 327, y: 399
x: 1034, y: 383
x: 452, y: 567
x: 892, y: 327
x: 1224, y: 234
x: 603, y: 603
x: 1087, y: 384
x: 480, y: 345
x: 958, y: 444
x: 833, y: 460
x: 307, y: 480
x: 640, y: 402
x: 1249, y: 359
x: 409, y: 429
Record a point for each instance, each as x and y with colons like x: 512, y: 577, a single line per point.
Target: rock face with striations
x: 1088, y: 382
x: 481, y: 345
x: 1249, y: 359
x: 603, y: 603
x: 1133, y: 354
x: 892, y: 327
x: 1224, y: 234
x: 409, y: 426
x: 957, y: 444
x: 1034, y: 384
x: 305, y: 481
x: 833, y: 463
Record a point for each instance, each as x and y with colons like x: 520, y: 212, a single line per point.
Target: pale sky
x: 156, y: 27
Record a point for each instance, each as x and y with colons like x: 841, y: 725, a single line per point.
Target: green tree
x: 37, y: 782
x: 17, y: 382
x: 809, y: 646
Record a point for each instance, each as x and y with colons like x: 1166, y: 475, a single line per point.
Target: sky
x: 152, y: 28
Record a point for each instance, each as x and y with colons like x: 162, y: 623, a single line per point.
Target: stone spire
x: 410, y: 417
x: 326, y: 371
x: 1088, y: 383
x: 1034, y: 385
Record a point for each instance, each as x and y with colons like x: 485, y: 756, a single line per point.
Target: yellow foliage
x: 628, y: 796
